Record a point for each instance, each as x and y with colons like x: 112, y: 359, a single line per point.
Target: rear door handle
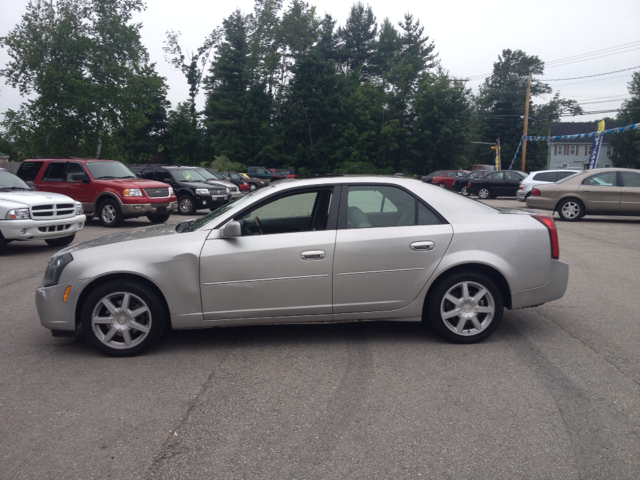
x: 313, y: 255
x: 423, y: 246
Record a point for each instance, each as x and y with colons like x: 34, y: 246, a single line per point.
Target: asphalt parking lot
x: 555, y: 393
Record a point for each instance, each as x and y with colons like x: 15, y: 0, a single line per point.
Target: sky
x: 584, y: 41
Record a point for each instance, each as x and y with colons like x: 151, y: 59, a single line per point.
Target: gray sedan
x: 328, y: 250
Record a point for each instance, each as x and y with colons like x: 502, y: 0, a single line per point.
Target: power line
x: 589, y: 76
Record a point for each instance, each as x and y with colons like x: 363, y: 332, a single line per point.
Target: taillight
x: 535, y: 192
x: 468, y: 184
x: 521, y: 186
x: 550, y: 223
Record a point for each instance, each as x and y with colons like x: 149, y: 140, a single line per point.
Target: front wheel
x: 441, y: 185
x: 122, y: 318
x: 465, y: 307
x: 158, y: 217
x: 60, y: 242
x: 484, y: 193
x: 110, y: 214
x: 464, y: 191
x: 3, y: 245
x: 186, y: 205
x: 252, y: 187
x: 571, y: 210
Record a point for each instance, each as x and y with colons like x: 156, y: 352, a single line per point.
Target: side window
x: 148, y: 174
x: 513, y: 176
x: 163, y: 176
x: 54, y: 172
x: 566, y: 174
x: 607, y: 179
x: 545, y: 177
x: 630, y: 179
x: 28, y: 171
x: 72, y: 169
x: 497, y: 176
x: 383, y: 206
x: 299, y: 212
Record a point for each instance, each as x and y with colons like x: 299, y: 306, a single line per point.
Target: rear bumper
x: 38, y: 229
x: 554, y: 289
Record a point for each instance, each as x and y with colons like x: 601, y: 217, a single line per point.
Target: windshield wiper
x: 14, y: 188
x: 106, y: 177
x: 184, y: 226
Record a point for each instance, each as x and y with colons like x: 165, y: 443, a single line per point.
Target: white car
x: 539, y: 178
x: 29, y: 215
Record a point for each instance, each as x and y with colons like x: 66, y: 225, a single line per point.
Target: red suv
x: 105, y: 188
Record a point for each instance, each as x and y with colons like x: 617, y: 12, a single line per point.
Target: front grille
x: 53, y: 210
x: 215, y: 191
x: 157, y: 192
x: 54, y: 228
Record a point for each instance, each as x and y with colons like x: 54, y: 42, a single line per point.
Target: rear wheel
x: 186, y: 205
x: 60, y: 242
x: 464, y: 191
x: 122, y: 318
x: 465, y: 307
x: 441, y: 185
x: 158, y: 217
x: 484, y: 193
x: 3, y: 245
x: 110, y: 214
x: 571, y: 210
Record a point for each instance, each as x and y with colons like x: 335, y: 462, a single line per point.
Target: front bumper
x: 213, y: 201
x: 40, y: 229
x: 138, y: 209
x: 55, y: 313
x: 554, y: 289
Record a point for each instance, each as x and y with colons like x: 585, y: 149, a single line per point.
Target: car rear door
x: 601, y: 192
x: 511, y: 184
x: 279, y: 268
x: 388, y: 245
x: 630, y: 195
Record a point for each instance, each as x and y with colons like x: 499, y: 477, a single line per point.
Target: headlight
x: 17, y: 214
x: 55, y: 267
x: 170, y: 191
x: 79, y: 209
x: 202, y: 191
x: 132, y: 192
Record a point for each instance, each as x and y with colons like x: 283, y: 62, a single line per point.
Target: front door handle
x: 424, y: 246
x: 313, y: 255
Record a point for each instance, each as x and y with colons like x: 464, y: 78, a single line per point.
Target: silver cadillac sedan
x: 320, y: 250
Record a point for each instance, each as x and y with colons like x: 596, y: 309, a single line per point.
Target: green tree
x: 626, y: 145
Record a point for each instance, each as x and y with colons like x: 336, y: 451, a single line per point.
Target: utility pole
x: 526, y: 123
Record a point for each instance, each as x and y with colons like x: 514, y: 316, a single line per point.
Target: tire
x: 60, y: 242
x: 464, y: 191
x: 158, y: 217
x: 570, y: 210
x: 464, y: 323
x: 186, y: 205
x: 252, y: 187
x: 441, y: 185
x: 3, y: 245
x: 110, y: 214
x: 484, y: 193
x: 527, y: 196
x: 122, y: 318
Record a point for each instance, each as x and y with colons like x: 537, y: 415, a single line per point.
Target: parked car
x: 287, y: 172
x: 192, y: 189
x: 237, y: 179
x: 212, y: 179
x: 254, y: 183
x: 447, y: 178
x: 105, y: 188
x: 460, y: 183
x: 428, y: 178
x: 391, y: 249
x: 264, y: 174
x: 28, y: 215
x: 601, y: 191
x: 540, y: 178
x: 501, y: 183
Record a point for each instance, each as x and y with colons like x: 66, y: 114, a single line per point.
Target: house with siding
x: 574, y: 153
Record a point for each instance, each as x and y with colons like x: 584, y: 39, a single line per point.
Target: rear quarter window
x: 28, y: 171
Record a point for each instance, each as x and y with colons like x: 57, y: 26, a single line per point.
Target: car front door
x: 601, y: 192
x: 77, y: 189
x: 630, y: 195
x: 388, y: 245
x: 279, y: 268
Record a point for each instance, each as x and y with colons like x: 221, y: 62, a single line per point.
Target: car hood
x: 30, y: 197
x: 133, y: 182
x: 129, y: 235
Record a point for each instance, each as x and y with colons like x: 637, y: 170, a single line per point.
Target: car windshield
x: 8, y: 181
x: 568, y: 178
x: 206, y: 174
x: 202, y: 221
x: 186, y: 175
x: 108, y: 170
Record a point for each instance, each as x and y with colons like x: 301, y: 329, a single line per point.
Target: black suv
x: 192, y: 189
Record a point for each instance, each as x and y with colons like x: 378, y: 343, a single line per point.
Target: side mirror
x: 30, y: 184
x: 80, y: 177
x: 232, y: 229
